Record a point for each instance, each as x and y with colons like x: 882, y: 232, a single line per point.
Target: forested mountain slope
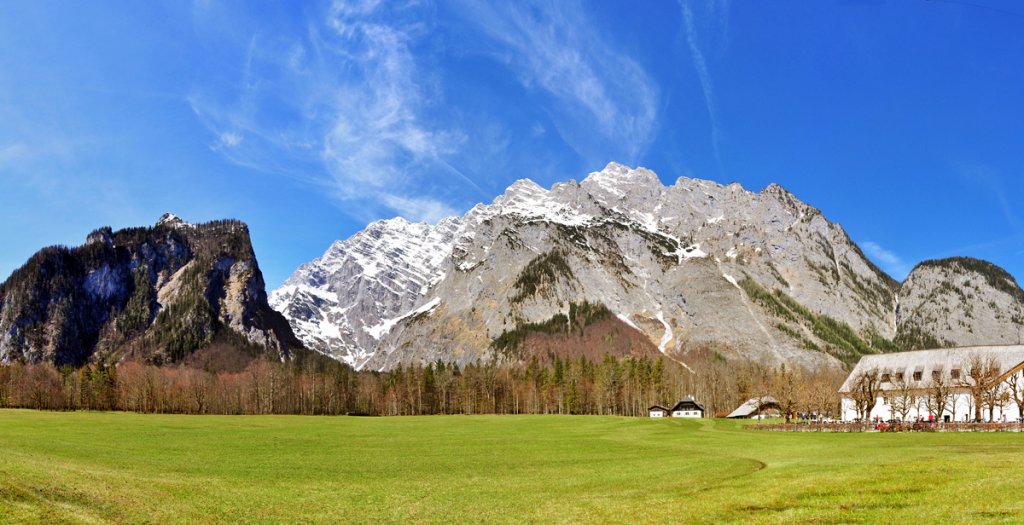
x: 153, y: 293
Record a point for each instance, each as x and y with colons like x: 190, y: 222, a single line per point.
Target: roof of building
x: 658, y: 407
x: 751, y: 406
x: 942, y: 360
x: 688, y: 402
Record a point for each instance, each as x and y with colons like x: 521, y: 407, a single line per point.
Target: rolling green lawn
x: 130, y: 468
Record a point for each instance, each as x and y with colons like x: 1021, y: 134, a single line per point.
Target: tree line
x: 626, y: 387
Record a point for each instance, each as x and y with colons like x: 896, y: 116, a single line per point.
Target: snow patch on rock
x: 666, y: 338
x: 385, y: 326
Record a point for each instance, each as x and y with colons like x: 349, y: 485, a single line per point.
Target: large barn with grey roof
x: 960, y: 382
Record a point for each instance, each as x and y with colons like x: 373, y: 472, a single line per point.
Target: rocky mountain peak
x: 394, y: 222
x: 449, y: 224
x: 100, y: 236
x: 776, y: 190
x: 617, y: 174
x: 341, y: 302
x: 526, y: 186
x: 651, y: 254
x: 617, y: 182
x: 789, y: 201
x: 171, y: 220
x: 759, y: 275
x: 995, y: 276
x: 523, y: 192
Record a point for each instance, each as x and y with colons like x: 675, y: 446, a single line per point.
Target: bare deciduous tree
x: 940, y: 396
x: 784, y: 385
x: 979, y: 380
x: 903, y: 398
x: 1015, y: 385
x: 866, y: 385
x: 823, y: 396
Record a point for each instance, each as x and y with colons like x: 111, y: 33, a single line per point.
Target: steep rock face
x: 587, y: 330
x: 156, y: 293
x: 959, y: 302
x: 762, y: 275
x: 341, y: 303
x: 691, y: 265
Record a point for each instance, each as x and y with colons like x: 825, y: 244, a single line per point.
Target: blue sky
x: 902, y: 120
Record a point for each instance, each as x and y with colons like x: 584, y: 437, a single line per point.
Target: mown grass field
x: 129, y: 468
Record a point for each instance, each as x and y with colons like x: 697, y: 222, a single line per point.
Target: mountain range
x: 620, y: 263
x: 617, y: 264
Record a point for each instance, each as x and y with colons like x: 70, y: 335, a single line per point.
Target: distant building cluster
x: 687, y: 407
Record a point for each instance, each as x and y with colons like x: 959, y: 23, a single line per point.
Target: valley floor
x: 129, y: 468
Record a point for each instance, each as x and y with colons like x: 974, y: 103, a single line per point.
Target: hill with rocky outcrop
x: 959, y: 301
x: 156, y: 294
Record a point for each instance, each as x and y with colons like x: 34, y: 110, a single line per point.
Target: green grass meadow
x: 87, y: 467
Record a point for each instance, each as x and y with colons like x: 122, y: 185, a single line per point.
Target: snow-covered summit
x: 664, y: 257
x: 616, y: 175
x: 377, y: 274
x: 529, y: 201
x: 172, y: 220
x: 340, y: 302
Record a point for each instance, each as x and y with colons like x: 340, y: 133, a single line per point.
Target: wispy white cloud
x: 230, y: 139
x: 425, y: 208
x: 12, y: 153
x: 354, y: 102
x: 378, y: 135
x: 976, y: 249
x: 355, y: 94
x: 887, y: 259
x: 991, y: 181
x: 718, y: 13
x: 603, y: 102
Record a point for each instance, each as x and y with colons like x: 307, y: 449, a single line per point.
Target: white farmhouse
x: 688, y: 407
x: 658, y: 411
x: 949, y: 384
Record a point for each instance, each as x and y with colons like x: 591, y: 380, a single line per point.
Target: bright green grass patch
x: 128, y: 468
